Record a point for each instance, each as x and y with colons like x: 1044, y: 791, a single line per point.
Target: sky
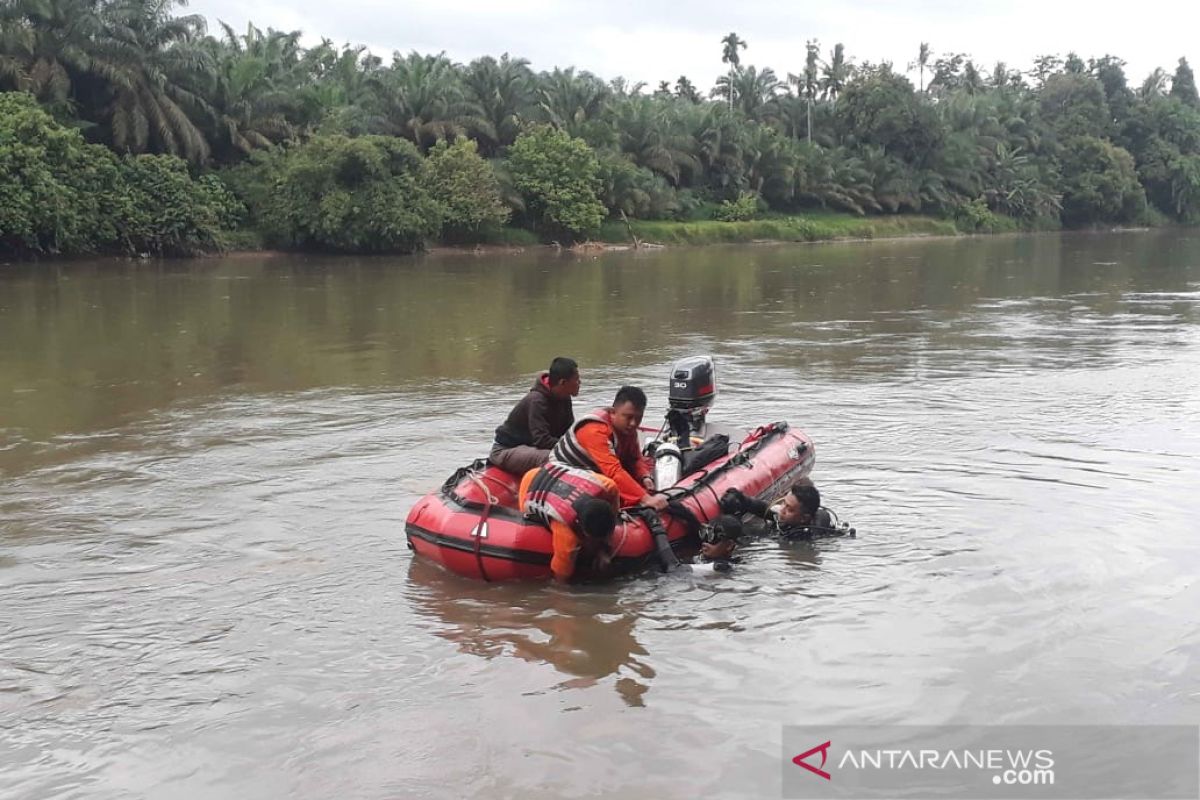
x: 652, y: 41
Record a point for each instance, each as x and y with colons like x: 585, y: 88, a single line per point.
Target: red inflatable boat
x: 472, y: 525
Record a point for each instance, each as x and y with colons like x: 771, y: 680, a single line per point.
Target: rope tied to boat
x: 481, y: 527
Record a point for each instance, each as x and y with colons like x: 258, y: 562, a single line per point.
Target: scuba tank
x: 668, y: 464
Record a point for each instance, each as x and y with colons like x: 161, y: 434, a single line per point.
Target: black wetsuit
x: 822, y: 524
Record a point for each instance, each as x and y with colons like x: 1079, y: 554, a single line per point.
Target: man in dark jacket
x: 535, y: 424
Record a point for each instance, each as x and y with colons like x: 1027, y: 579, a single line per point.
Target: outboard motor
x: 692, y: 392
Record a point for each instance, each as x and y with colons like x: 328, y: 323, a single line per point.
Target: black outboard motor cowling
x: 693, y: 390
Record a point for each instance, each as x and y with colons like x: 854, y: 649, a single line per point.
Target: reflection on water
x: 584, y: 635
x: 206, y: 466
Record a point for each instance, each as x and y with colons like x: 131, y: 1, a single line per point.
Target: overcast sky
x: 651, y: 41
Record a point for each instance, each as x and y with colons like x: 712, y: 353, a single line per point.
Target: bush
x: 351, y: 195
x: 59, y: 194
x: 974, y: 216
x: 559, y: 178
x: 162, y: 211
x: 1100, y: 183
x: 740, y: 210
x: 466, y: 187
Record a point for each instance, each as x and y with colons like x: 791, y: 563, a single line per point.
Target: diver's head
x: 720, y: 539
x: 800, y: 505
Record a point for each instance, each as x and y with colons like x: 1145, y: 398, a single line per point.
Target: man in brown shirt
x: 535, y: 424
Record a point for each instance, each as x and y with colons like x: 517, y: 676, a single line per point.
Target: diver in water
x: 799, y: 515
x: 718, y: 541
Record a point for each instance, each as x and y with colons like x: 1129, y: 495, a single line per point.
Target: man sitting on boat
x: 535, y: 424
x: 579, y: 507
x: 799, y: 515
x: 606, y: 441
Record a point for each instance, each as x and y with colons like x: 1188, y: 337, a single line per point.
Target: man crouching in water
x: 798, y: 516
x: 580, y: 508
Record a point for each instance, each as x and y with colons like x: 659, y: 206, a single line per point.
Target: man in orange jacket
x: 606, y: 441
x: 579, y: 507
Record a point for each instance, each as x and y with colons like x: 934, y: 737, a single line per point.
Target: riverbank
x: 620, y: 235
x: 825, y: 226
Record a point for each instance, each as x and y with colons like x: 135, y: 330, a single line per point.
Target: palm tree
x: 812, y: 77
x: 836, y: 74
x: 575, y: 102
x: 336, y: 88
x: 808, y: 83
x: 649, y: 135
x: 731, y: 43
x: 972, y: 80
x: 923, y: 54
x: 834, y: 178
x: 422, y: 99
x: 715, y: 138
x: 756, y: 92
x: 1014, y: 185
x: 259, y: 85
x: 503, y: 91
x: 791, y: 114
x: 770, y: 164
x: 48, y: 45
x: 623, y: 88
x: 686, y: 90
x: 1155, y: 84
x: 156, y: 55
x: 124, y: 66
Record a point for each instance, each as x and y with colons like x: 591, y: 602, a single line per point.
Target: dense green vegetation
x: 61, y: 194
x: 332, y: 148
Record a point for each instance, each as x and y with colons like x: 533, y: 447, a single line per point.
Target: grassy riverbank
x: 821, y: 226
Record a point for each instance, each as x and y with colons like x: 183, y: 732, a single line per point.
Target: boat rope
x: 481, y: 528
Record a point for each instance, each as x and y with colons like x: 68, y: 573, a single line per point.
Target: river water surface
x: 205, y: 469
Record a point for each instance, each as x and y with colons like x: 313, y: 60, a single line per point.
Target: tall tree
x: 1110, y: 71
x: 502, y: 89
x: 1183, y: 85
x: 922, y: 62
x: 808, y: 82
x: 1074, y: 105
x: 812, y: 77
x: 686, y: 90
x: 837, y: 73
x: 1154, y: 85
x: 947, y: 73
x: 253, y: 91
x: 756, y: 91
x: 1043, y: 67
x: 1000, y: 75
x: 576, y: 102
x: 423, y: 100
x: 972, y: 80
x: 730, y: 45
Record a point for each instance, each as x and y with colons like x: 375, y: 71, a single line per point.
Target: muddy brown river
x: 205, y: 468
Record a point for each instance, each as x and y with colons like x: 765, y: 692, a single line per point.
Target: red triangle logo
x: 823, y: 749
